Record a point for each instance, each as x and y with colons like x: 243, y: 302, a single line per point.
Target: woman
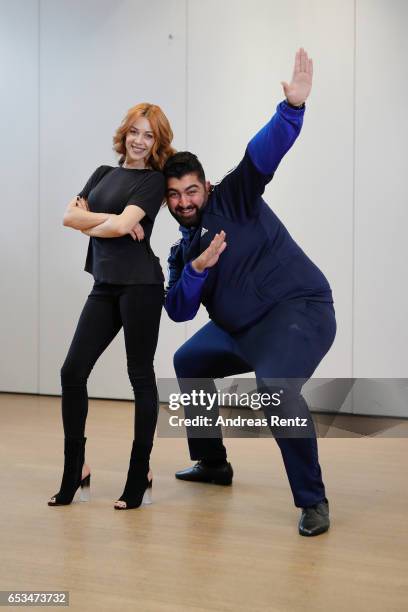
x: 117, y: 208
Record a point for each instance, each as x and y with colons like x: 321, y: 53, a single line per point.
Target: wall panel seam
x: 39, y: 196
x: 186, y: 107
x: 353, y: 246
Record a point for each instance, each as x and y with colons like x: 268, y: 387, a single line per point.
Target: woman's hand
x: 78, y: 203
x: 211, y: 255
x: 299, y: 88
x: 82, y: 203
x: 137, y: 232
x: 78, y: 216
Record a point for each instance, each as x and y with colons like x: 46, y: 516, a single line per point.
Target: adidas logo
x: 203, y: 231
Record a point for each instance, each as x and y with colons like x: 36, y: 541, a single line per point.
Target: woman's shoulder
x: 158, y: 175
x: 154, y: 172
x: 154, y: 177
x: 102, y: 170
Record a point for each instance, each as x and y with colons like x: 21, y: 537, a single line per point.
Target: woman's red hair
x: 163, y: 134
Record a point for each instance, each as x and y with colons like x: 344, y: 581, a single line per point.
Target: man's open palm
x: 299, y: 88
x: 211, y: 255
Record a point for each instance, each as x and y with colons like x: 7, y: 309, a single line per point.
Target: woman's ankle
x: 85, y: 470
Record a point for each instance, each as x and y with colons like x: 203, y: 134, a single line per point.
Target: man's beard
x: 192, y: 221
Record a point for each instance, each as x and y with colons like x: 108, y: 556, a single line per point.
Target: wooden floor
x: 199, y: 547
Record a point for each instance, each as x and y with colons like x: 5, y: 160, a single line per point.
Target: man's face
x: 186, y: 197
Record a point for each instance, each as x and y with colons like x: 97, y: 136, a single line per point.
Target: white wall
x: 381, y: 194
x: 19, y: 167
x: 253, y: 50
x: 104, y: 60
x: 215, y: 68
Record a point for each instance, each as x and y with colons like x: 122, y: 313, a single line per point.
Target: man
x: 271, y: 308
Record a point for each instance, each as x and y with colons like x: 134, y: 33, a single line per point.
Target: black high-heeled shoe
x: 135, y: 499
x: 74, y: 457
x: 139, y: 483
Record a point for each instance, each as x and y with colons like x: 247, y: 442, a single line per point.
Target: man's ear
x: 207, y: 186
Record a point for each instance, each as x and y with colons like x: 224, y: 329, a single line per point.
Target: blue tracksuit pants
x: 283, y: 349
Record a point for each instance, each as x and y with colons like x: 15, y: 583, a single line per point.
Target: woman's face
x: 139, y: 143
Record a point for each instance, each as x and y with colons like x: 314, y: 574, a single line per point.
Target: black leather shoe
x: 315, y: 520
x: 200, y: 472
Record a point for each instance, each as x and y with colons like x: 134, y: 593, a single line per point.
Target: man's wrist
x: 297, y: 106
x: 197, y: 268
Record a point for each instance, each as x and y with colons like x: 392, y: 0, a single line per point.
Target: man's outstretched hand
x: 210, y: 256
x: 299, y: 88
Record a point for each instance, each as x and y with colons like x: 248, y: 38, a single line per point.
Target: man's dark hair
x: 183, y: 163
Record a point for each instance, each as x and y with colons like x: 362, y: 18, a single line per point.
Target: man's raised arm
x: 267, y: 148
x: 240, y: 190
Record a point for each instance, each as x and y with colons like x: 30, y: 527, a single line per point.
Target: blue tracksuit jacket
x: 262, y: 264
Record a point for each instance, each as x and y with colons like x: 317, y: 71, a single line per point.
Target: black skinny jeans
x: 109, y: 307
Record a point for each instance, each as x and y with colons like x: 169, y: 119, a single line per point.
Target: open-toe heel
x: 74, y: 457
x: 139, y: 483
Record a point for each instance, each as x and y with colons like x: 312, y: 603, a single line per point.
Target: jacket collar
x: 187, y: 232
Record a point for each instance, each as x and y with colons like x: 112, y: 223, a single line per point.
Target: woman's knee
x: 141, y: 375
x: 73, y: 374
